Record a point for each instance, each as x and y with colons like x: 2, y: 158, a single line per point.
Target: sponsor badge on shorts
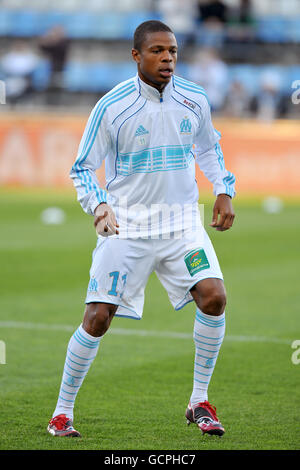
x: 196, y: 260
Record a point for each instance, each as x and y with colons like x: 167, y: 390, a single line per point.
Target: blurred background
x: 58, y: 58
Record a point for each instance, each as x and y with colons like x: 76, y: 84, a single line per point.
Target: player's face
x: 157, y: 58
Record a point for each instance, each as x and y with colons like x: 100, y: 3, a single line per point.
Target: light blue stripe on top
x: 99, y: 106
x: 107, y: 101
x: 99, y: 113
x: 190, y: 89
x: 192, y: 85
x: 220, y: 156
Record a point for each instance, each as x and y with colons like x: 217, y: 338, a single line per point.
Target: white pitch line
x: 144, y: 333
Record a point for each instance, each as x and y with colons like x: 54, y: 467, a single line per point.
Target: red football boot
x: 204, y: 415
x: 60, y: 425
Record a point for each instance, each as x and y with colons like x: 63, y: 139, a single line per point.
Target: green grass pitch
x: 135, y: 394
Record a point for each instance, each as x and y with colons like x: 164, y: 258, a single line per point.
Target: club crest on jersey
x: 196, y: 260
x: 93, y: 285
x: 185, y: 126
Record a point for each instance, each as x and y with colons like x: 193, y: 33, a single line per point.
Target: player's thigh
x: 119, y: 273
x: 184, y: 264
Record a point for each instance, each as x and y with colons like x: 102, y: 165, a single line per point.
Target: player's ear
x: 135, y: 55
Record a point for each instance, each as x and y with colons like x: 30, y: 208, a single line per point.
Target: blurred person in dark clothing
x: 212, y: 11
x: 212, y: 16
x: 55, y: 46
x: 241, y: 22
x: 245, y: 15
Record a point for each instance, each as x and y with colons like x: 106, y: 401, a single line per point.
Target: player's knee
x: 214, y: 303
x: 97, y: 318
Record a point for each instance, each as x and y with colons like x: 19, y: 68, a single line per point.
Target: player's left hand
x: 223, y: 213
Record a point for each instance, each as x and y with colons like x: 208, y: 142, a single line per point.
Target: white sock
x: 208, y: 336
x: 82, y: 350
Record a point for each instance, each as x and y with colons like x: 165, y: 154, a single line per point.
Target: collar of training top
x: 151, y: 93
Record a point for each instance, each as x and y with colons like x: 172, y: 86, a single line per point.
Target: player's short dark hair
x: 151, y: 26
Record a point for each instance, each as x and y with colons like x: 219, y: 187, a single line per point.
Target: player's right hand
x: 105, y: 221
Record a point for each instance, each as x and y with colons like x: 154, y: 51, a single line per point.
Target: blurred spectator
x: 268, y: 104
x: 211, y: 73
x: 212, y: 17
x: 237, y: 104
x: 243, y: 14
x: 241, y: 22
x: 212, y: 11
x: 55, y: 46
x: 17, y: 68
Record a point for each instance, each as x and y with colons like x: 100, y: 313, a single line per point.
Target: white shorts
x: 121, y: 268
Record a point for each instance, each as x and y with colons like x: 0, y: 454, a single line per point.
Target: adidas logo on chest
x: 141, y: 131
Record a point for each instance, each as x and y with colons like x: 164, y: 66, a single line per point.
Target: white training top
x: 149, y: 142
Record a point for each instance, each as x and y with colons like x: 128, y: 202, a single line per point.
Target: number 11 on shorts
x: 115, y: 275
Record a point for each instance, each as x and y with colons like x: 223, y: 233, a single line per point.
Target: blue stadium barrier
x: 41, y: 76
x: 109, y: 26
x: 76, y: 77
x: 293, y: 31
x: 209, y: 37
x: 252, y: 76
x: 114, y: 25
x: 245, y: 74
x: 278, y: 72
x: 53, y: 18
x: 81, y: 25
x: 132, y: 21
x: 6, y: 22
x: 106, y: 76
x: 272, y: 29
x: 25, y: 23
x: 99, y: 77
x: 96, y: 77
x: 102, y: 77
x: 78, y: 25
